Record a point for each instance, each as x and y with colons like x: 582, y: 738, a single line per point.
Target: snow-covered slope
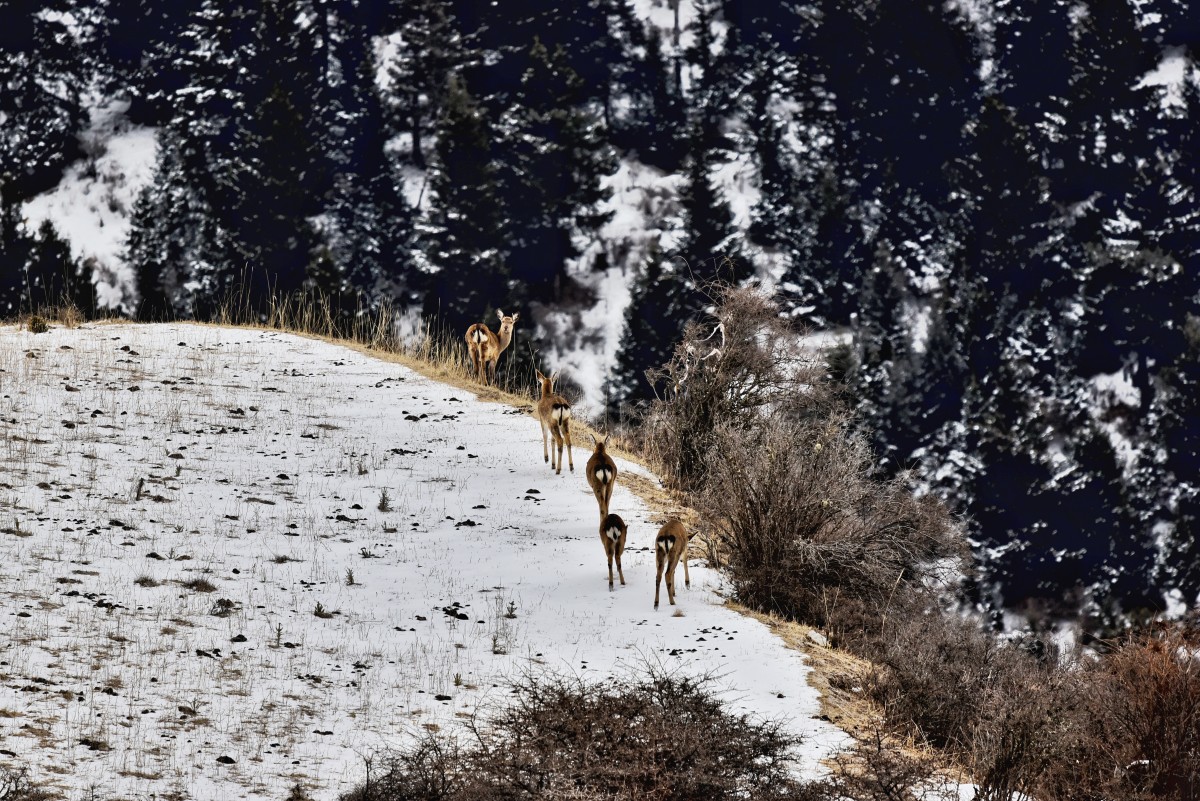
x: 141, y: 463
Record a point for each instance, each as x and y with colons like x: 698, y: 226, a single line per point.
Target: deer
x: 612, y: 534
x: 602, y: 474
x: 485, y: 348
x: 669, y: 547
x: 554, y: 413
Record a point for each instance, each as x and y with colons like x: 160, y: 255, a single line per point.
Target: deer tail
x: 560, y: 413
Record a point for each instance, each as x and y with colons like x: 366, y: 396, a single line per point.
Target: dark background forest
x: 996, y: 200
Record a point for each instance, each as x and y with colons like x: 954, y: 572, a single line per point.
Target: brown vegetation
x: 662, y: 737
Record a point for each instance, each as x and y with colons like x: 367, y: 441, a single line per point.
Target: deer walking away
x: 612, y: 534
x: 602, y: 475
x: 669, y: 547
x: 554, y: 413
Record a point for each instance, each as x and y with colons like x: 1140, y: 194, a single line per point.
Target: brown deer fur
x: 612, y: 534
x: 554, y: 412
x: 669, y: 547
x: 485, y: 348
x: 602, y: 475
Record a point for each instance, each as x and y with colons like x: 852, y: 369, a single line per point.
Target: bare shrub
x: 15, y: 785
x: 753, y: 429
x: 429, y: 770
x: 934, y: 674
x: 999, y: 710
x: 662, y: 737
x: 725, y: 372
x: 1137, y: 729
x: 806, y: 532
x: 875, y: 770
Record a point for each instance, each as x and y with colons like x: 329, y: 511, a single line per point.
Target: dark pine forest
x: 996, y: 200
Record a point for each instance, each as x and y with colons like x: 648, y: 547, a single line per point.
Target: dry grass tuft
x: 200, y: 584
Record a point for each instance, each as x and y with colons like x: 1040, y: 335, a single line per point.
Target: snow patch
x: 738, y: 180
x: 918, y: 315
x: 415, y: 186
x: 91, y: 208
x: 1116, y: 388
x: 1171, y: 77
x: 1110, y: 392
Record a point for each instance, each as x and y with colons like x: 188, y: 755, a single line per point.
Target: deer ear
x: 540, y: 377
x: 500, y: 314
x: 516, y: 317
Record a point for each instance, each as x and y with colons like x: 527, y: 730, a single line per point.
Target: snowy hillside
x: 209, y: 596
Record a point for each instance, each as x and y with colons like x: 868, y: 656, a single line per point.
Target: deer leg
x: 567, y: 437
x: 558, y: 442
x: 608, y: 551
x: 658, y: 578
x: 618, y: 548
x: 687, y: 580
x: 671, y: 584
x: 545, y: 448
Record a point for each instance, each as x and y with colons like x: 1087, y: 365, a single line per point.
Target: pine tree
x: 554, y: 156
x: 657, y: 129
x: 654, y: 323
x: 53, y: 277
x: 433, y: 49
x: 276, y: 159
x: 135, y: 50
x: 183, y: 245
x: 1108, y: 56
x: 181, y: 254
x: 462, y: 241
x: 41, y: 75
x: 273, y: 228
x: 711, y: 244
x: 15, y: 247
x: 617, y: 53
x: 1177, y: 519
